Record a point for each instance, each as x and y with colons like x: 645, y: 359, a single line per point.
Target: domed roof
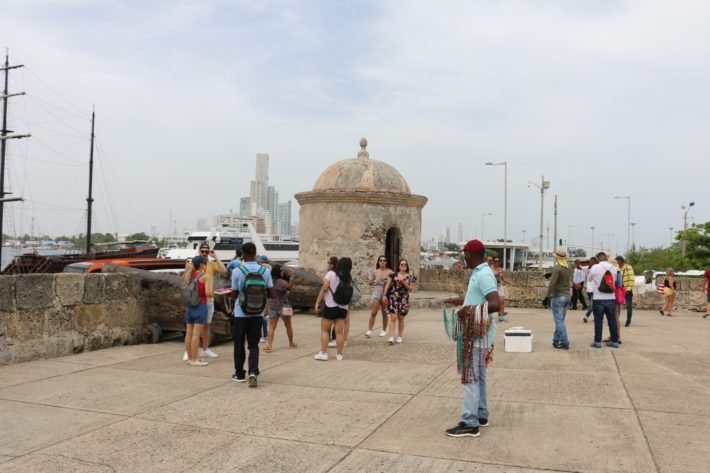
x: 362, y: 173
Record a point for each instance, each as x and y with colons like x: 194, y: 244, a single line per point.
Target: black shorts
x: 334, y: 313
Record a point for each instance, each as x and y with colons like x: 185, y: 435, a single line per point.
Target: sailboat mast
x: 90, y: 200
x: 4, y: 136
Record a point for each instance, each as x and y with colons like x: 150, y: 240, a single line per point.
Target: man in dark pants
x: 604, y: 303
x: 578, y: 278
x: 628, y: 277
x: 247, y: 327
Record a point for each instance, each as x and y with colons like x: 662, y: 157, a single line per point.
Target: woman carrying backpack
x: 195, y: 317
x: 396, y: 297
x: 333, y: 313
x: 279, y: 307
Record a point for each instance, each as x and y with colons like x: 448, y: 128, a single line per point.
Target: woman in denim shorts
x: 283, y: 282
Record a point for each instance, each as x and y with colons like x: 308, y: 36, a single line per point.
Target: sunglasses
x: 204, y: 252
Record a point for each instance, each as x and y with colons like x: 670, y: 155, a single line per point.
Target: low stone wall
x: 530, y: 287
x: 50, y: 315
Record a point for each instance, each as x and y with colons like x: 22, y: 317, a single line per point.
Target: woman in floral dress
x: 396, y: 297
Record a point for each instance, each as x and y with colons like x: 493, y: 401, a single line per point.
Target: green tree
x: 645, y: 259
x: 138, y: 236
x: 697, y: 245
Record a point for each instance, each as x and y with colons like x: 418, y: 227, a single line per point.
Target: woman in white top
x: 333, y: 313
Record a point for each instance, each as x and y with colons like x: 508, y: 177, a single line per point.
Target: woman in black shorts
x: 333, y: 314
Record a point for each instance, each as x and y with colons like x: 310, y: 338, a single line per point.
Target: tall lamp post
x: 633, y: 237
x: 505, y: 212
x: 685, y: 226
x: 483, y: 215
x: 543, y: 186
x: 628, y: 220
x: 592, y: 241
x: 670, y: 235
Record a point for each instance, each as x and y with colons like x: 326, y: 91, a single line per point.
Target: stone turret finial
x: 363, y: 149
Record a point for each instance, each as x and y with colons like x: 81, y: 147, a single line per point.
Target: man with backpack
x: 253, y: 284
x: 603, y: 275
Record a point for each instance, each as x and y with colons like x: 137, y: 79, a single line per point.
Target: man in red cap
x: 481, y: 289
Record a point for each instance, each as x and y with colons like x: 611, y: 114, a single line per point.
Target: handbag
x: 667, y: 291
x: 287, y: 310
x: 620, y: 294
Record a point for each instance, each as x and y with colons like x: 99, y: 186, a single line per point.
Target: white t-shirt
x: 333, y: 280
x: 595, y: 276
x: 590, y: 283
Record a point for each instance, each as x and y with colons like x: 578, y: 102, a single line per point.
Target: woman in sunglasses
x: 378, y: 277
x: 396, y: 296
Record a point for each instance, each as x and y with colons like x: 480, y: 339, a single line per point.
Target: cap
x: 264, y: 258
x: 204, y: 244
x: 619, y: 258
x: 474, y: 246
x: 198, y: 261
x: 560, y: 253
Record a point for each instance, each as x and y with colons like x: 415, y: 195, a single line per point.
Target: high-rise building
x: 245, y: 207
x: 284, y: 219
x: 272, y: 205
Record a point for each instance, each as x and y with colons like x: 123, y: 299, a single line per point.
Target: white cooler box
x: 518, y: 340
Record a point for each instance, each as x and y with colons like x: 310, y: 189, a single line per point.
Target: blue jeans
x: 629, y: 304
x: 475, y: 401
x: 264, y: 327
x: 601, y: 308
x: 559, y: 306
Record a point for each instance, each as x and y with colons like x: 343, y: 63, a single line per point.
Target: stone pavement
x: 642, y: 408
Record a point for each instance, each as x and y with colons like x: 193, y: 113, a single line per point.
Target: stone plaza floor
x: 642, y: 408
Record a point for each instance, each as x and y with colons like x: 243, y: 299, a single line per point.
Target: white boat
x: 226, y: 239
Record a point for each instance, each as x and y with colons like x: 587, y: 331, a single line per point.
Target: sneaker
x: 262, y: 340
x: 368, y: 334
x: 185, y: 357
x: 585, y: 319
x: 339, y: 357
x: 502, y: 320
x: 562, y: 347
x: 483, y: 422
x: 235, y: 377
x: 612, y: 345
x: 596, y: 345
x: 320, y: 356
x: 391, y: 341
x: 332, y: 344
x: 383, y: 333
x: 209, y: 354
x: 252, y: 380
x: 198, y: 363
x: 398, y: 339
x: 463, y: 430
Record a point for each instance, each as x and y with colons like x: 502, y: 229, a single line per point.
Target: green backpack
x: 252, y: 299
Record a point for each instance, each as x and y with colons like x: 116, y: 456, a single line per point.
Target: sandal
x: 293, y: 345
x: 268, y: 349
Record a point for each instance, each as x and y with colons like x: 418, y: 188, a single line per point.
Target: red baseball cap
x: 474, y: 246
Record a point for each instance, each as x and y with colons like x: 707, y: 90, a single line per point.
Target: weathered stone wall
x: 49, y: 315
x: 530, y: 287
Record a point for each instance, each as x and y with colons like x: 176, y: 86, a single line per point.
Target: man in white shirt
x: 578, y: 278
x: 590, y: 289
x: 604, y: 302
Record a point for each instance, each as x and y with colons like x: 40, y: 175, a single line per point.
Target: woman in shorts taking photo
x: 378, y: 278
x: 333, y: 314
x: 195, y: 317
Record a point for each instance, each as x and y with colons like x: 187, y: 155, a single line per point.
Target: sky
x: 604, y: 98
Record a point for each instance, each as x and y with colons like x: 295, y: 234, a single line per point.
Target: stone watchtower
x: 360, y: 208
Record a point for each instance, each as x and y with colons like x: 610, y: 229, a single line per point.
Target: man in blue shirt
x: 481, y: 288
x: 247, y: 327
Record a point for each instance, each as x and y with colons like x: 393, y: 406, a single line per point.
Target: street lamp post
x: 670, y: 235
x: 592, y: 240
x: 484, y: 214
x: 633, y: 238
x: 523, y: 236
x: 543, y: 185
x: 628, y: 220
x: 505, y: 212
x: 685, y: 226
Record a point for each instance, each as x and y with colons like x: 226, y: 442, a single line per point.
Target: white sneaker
x: 332, y: 344
x: 198, y: 363
x: 383, y: 333
x: 209, y: 354
x: 262, y: 340
x: 398, y: 340
x: 339, y: 357
x: 320, y: 356
x: 185, y: 357
x: 368, y: 334
x: 391, y: 341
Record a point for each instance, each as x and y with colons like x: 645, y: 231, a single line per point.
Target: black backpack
x: 253, y: 297
x: 191, y: 293
x: 607, y: 283
x: 343, y: 293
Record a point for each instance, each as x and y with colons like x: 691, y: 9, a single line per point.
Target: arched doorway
x: 393, y: 245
